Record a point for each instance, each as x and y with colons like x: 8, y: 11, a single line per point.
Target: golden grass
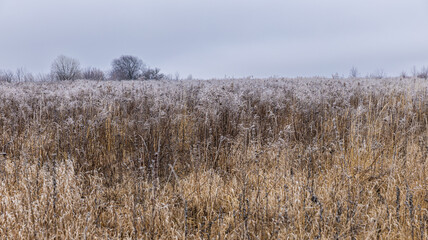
x: 245, y: 159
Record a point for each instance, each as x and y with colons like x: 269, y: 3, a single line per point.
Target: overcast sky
x: 217, y: 38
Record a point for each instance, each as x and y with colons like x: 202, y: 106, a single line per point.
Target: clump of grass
x: 224, y: 159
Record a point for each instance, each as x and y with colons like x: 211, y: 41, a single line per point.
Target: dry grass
x: 231, y: 159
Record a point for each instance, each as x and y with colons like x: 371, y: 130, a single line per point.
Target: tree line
x: 64, y: 68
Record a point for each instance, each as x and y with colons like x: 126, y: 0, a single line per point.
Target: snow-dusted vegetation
x: 219, y: 159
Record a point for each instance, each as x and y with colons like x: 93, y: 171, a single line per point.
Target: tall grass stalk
x: 222, y: 159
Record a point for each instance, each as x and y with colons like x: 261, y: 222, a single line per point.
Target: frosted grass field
x: 218, y: 159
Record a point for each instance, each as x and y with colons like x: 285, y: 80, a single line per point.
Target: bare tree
x: 335, y: 76
x: 43, y: 77
x: 153, y: 74
x: 91, y: 73
x: 378, y: 74
x: 65, y: 68
x: 169, y: 77
x: 6, y: 76
x: 22, y: 75
x: 127, y: 67
x: 353, y: 73
x: 423, y: 73
x: 414, y: 71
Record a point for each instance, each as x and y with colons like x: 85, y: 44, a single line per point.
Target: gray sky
x: 208, y: 38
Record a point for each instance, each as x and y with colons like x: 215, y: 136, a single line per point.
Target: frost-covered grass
x: 220, y: 159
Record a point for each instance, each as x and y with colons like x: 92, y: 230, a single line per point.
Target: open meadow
x: 306, y: 158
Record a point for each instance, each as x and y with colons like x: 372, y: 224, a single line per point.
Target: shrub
x: 91, y: 73
x: 65, y: 68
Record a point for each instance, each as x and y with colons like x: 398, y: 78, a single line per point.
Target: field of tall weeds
x: 219, y: 159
